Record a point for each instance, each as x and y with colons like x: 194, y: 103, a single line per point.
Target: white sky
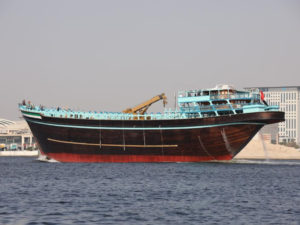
x: 111, y: 55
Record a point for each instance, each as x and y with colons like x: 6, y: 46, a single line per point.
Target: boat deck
x: 94, y: 115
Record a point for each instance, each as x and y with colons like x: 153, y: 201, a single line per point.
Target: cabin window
x: 208, y: 114
x: 225, y: 112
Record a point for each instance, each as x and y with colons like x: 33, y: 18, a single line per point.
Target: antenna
x: 175, y: 103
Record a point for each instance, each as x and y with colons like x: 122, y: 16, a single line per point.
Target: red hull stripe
x: 70, y: 157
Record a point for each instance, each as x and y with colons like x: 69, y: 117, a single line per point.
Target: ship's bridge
x: 220, y: 100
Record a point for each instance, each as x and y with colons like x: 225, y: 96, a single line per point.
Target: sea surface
x: 240, y: 192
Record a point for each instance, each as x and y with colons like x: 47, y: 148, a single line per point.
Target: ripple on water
x: 241, y: 192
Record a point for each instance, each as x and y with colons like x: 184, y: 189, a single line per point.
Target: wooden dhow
x: 209, y: 125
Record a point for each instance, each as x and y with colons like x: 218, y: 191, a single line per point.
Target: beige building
x: 15, y: 135
x: 288, y: 100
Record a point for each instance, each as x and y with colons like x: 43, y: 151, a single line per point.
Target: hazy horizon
x: 111, y: 55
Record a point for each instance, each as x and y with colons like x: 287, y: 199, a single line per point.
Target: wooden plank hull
x: 182, y: 140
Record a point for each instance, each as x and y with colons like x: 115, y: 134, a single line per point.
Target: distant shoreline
x: 257, y: 150
x: 287, y: 157
x: 19, y: 153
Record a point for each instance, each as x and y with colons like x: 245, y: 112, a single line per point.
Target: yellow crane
x: 143, y: 107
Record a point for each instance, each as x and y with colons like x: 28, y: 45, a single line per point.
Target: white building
x: 15, y: 135
x: 288, y: 100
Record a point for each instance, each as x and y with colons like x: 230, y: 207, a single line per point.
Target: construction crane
x: 143, y: 107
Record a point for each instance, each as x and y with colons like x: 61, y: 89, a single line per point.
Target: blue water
x: 243, y: 192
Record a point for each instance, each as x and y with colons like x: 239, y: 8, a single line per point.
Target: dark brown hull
x: 182, y: 140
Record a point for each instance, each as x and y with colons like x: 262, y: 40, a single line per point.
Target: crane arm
x: 143, y: 107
